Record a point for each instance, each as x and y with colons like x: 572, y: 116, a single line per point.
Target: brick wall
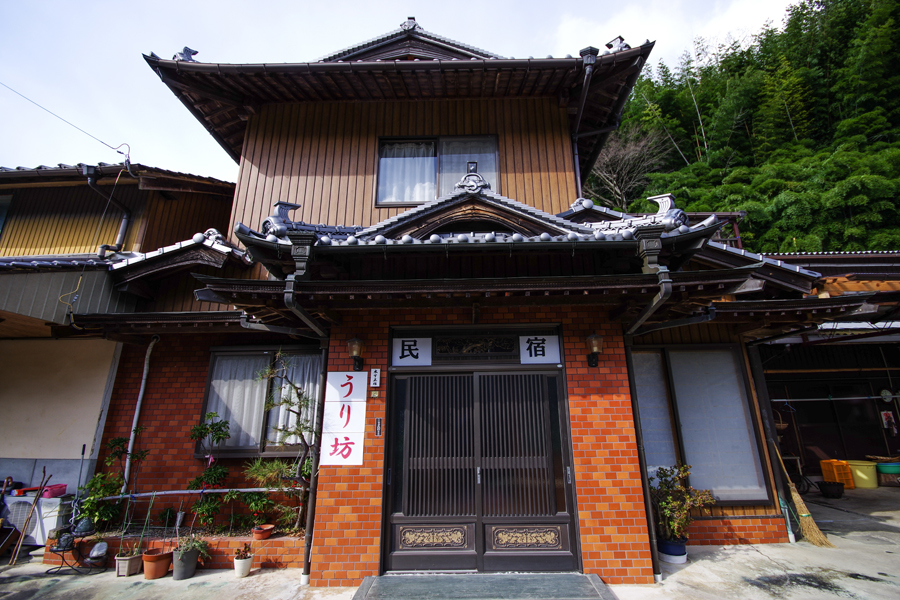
x: 273, y: 553
x: 610, y: 506
x: 738, y: 530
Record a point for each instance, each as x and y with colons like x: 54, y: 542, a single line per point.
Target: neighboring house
x: 526, y: 356
x: 56, y: 262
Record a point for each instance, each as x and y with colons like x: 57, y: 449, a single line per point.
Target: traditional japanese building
x: 498, y: 363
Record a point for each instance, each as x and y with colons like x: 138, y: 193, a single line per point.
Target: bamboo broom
x: 808, y: 527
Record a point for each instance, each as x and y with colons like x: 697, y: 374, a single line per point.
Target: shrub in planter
x: 243, y: 560
x: 673, y: 500
x: 186, y: 555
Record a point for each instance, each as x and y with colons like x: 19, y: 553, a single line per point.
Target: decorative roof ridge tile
x: 211, y: 239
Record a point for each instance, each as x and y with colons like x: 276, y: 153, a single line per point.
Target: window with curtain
x: 694, y: 404
x: 238, y: 394
x: 416, y: 171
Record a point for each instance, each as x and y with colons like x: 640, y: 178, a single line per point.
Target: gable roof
x: 222, y: 97
x: 409, y: 42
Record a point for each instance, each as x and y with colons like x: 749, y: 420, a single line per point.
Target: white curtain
x: 237, y: 395
x: 716, y: 424
x: 407, y: 172
x: 653, y: 403
x: 457, y: 153
x: 303, y: 371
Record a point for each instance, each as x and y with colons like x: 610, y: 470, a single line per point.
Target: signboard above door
x: 420, y: 351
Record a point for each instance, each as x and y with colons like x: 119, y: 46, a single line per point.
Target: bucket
x: 889, y: 468
x: 864, y: 473
x: 831, y: 489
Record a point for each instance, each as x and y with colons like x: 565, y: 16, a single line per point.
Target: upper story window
x: 417, y: 170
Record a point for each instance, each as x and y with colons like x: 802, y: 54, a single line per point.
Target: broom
x: 808, y: 527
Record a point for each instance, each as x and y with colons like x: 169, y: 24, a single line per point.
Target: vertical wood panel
x: 324, y: 156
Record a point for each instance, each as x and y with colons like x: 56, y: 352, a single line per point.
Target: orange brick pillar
x: 611, y: 517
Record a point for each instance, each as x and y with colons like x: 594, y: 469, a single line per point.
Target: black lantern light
x: 595, y: 347
x: 354, y: 349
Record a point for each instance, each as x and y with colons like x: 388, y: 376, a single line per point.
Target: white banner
x: 344, y: 419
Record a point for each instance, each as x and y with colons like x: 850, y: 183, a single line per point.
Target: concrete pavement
x: 864, y: 525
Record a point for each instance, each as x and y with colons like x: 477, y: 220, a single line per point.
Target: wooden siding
x: 177, y: 218
x: 324, y: 156
x: 704, y: 333
x: 65, y: 219
x: 178, y: 293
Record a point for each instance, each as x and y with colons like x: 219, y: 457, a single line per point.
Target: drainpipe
x: 314, y: 475
x: 291, y: 303
x: 588, y: 59
x: 642, y: 461
x: 649, y: 247
x: 91, y: 174
x: 137, y: 411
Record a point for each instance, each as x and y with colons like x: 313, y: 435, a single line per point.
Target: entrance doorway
x: 478, y: 474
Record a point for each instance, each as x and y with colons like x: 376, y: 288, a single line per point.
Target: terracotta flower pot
x: 156, y: 563
x: 261, y: 532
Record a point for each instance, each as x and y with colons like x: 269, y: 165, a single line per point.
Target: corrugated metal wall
x: 324, y: 156
x: 44, y: 295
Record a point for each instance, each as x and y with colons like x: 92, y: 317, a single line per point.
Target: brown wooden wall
x: 178, y: 218
x: 713, y: 333
x: 64, y: 219
x: 324, y: 156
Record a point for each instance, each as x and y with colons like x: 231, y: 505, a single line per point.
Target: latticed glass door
x: 477, y: 476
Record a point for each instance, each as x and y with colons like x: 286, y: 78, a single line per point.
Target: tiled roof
x: 66, y: 170
x: 408, y: 28
x: 759, y: 257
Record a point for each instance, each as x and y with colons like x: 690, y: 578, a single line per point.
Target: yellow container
x: 864, y: 473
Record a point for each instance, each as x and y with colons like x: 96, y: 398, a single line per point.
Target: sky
x: 83, y: 62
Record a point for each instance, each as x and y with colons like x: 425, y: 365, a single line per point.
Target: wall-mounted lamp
x: 595, y: 347
x: 354, y: 349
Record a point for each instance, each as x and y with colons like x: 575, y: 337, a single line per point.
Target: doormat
x: 507, y: 586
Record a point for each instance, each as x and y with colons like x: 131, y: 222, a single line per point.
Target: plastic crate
x: 837, y: 471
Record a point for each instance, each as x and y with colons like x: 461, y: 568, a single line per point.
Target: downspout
x: 665, y: 290
x: 642, y: 462
x: 291, y: 303
x: 589, y: 58
x: 137, y: 411
x: 314, y: 475
x: 91, y: 174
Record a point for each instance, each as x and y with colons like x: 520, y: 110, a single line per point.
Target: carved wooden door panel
x: 478, y: 475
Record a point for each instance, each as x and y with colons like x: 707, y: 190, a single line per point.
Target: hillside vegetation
x: 800, y: 128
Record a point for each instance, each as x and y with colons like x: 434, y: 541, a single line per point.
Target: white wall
x: 51, y: 396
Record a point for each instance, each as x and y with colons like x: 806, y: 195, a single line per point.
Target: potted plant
x: 243, y: 559
x: 186, y: 554
x: 128, y: 560
x: 673, y: 500
x: 262, y: 532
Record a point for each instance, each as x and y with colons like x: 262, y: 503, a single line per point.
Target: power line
x: 69, y: 123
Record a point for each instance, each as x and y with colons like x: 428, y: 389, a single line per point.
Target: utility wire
x: 69, y: 123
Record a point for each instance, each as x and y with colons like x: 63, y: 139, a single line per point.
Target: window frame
x: 245, y: 452
x: 437, y: 139
x: 738, y: 356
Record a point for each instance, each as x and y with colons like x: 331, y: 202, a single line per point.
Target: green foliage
x: 210, y: 433
x: 167, y: 517
x: 259, y: 504
x: 192, y: 542
x: 269, y: 473
x: 673, y: 500
x: 211, y: 477
x: 242, y: 553
x: 101, y: 485
x: 207, y: 508
x: 799, y: 128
